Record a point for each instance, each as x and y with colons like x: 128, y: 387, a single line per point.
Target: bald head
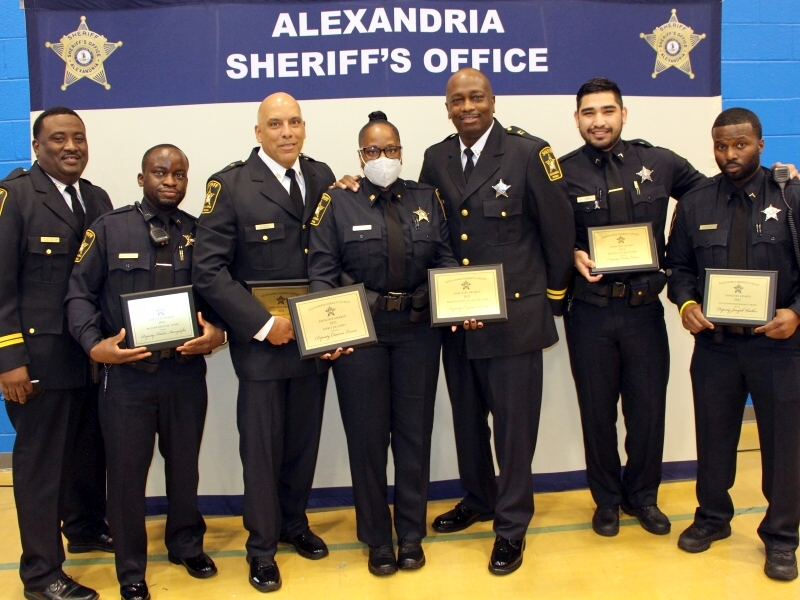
x: 470, y: 104
x: 280, y: 129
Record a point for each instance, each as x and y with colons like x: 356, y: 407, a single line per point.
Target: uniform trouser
x: 386, y: 396
x: 83, y: 506
x: 510, y: 387
x: 279, y: 424
x: 134, y: 407
x: 722, y: 375
x: 44, y: 455
x: 621, y: 350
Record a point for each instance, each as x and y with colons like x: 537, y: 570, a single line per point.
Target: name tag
x: 362, y: 227
x: 591, y: 198
x: 707, y: 227
x: 129, y: 255
x: 50, y: 240
x: 265, y: 226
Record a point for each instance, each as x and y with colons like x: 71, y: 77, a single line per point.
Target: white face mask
x: 383, y: 171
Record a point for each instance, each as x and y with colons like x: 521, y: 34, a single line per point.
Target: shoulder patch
x: 441, y: 204
x: 640, y: 142
x: 550, y: 163
x: 213, y: 189
x: 319, y: 212
x: 86, y: 244
x: 3, y: 196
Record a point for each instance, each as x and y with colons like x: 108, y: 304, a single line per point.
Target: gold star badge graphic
x: 672, y: 42
x: 421, y: 215
x: 84, y: 51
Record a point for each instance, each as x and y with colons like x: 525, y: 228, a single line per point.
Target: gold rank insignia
x: 441, y: 204
x: 88, y: 240
x: 550, y: 162
x: 319, y: 212
x: 84, y: 51
x: 421, y: 215
x: 3, y: 196
x: 672, y: 42
x: 213, y: 189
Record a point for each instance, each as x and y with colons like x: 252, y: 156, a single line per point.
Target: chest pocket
x: 424, y: 242
x: 773, y: 232
x: 128, y: 275
x: 265, y: 248
x: 648, y: 203
x: 709, y: 238
x: 48, y: 259
x: 503, y: 220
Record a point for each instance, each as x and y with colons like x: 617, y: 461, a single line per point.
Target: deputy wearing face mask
x: 386, y: 236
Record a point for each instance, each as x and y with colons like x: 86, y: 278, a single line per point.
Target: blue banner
x: 91, y: 55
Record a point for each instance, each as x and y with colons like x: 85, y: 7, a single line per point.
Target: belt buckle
x: 394, y: 300
x: 618, y: 289
x: 165, y: 354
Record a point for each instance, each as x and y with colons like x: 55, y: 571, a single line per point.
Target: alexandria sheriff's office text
x: 400, y: 60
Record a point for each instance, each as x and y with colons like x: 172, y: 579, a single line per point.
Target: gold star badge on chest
x: 189, y: 239
x: 645, y: 174
x: 771, y: 213
x: 422, y: 215
x: 501, y: 189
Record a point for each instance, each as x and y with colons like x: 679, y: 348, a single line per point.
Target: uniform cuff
x: 556, y: 294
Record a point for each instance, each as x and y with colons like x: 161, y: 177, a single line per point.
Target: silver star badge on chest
x: 500, y: 189
x: 771, y: 213
x: 645, y: 174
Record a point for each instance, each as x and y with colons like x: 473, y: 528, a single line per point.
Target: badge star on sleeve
x: 771, y: 213
x: 645, y: 174
x: 422, y: 215
x: 500, y: 189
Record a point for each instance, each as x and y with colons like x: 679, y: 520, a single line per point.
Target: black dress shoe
x: 698, y: 539
x: 308, y: 544
x: 134, y: 591
x: 650, y: 518
x: 382, y: 560
x: 103, y: 542
x: 200, y: 566
x: 63, y: 588
x: 506, y: 556
x: 606, y: 521
x: 410, y: 555
x: 264, y: 574
x: 459, y: 518
x: 781, y: 565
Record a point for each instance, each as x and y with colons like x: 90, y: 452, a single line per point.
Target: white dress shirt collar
x: 476, y: 148
x: 62, y: 189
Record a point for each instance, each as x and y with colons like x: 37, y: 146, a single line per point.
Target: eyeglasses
x: 373, y: 152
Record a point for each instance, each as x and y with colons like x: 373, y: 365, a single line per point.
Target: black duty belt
x: 394, y: 301
x: 150, y: 364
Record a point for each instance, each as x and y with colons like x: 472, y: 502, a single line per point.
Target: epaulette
x: 569, y: 154
x: 233, y: 165
x: 18, y: 172
x: 86, y: 181
x: 121, y: 209
x: 521, y: 133
x: 308, y: 158
x: 416, y: 185
x: 639, y: 142
x: 450, y: 137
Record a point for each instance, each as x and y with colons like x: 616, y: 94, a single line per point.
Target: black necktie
x: 294, y: 192
x: 395, y: 277
x: 737, y: 246
x: 470, y: 166
x: 617, y: 205
x: 164, y: 271
x: 77, y: 208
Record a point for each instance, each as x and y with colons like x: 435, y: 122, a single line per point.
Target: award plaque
x: 461, y: 293
x: 338, y: 318
x: 625, y: 248
x: 160, y: 319
x: 274, y: 295
x: 743, y: 298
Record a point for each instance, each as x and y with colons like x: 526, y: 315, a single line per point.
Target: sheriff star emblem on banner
x: 84, y: 51
x: 672, y: 42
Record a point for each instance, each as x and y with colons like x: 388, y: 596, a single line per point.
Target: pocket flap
x: 500, y: 208
x: 526, y: 284
x: 47, y: 244
x: 37, y: 322
x: 115, y: 263
x: 651, y: 193
x: 258, y: 233
x: 362, y: 236
x: 710, y: 237
x: 428, y: 234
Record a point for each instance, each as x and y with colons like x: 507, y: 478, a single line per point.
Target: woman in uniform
x: 386, y: 236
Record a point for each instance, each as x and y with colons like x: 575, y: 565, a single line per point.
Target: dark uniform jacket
x: 249, y: 231
x: 701, y: 235
x: 350, y: 236
x: 530, y: 230
x: 118, y: 258
x: 658, y: 173
x: 39, y: 238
